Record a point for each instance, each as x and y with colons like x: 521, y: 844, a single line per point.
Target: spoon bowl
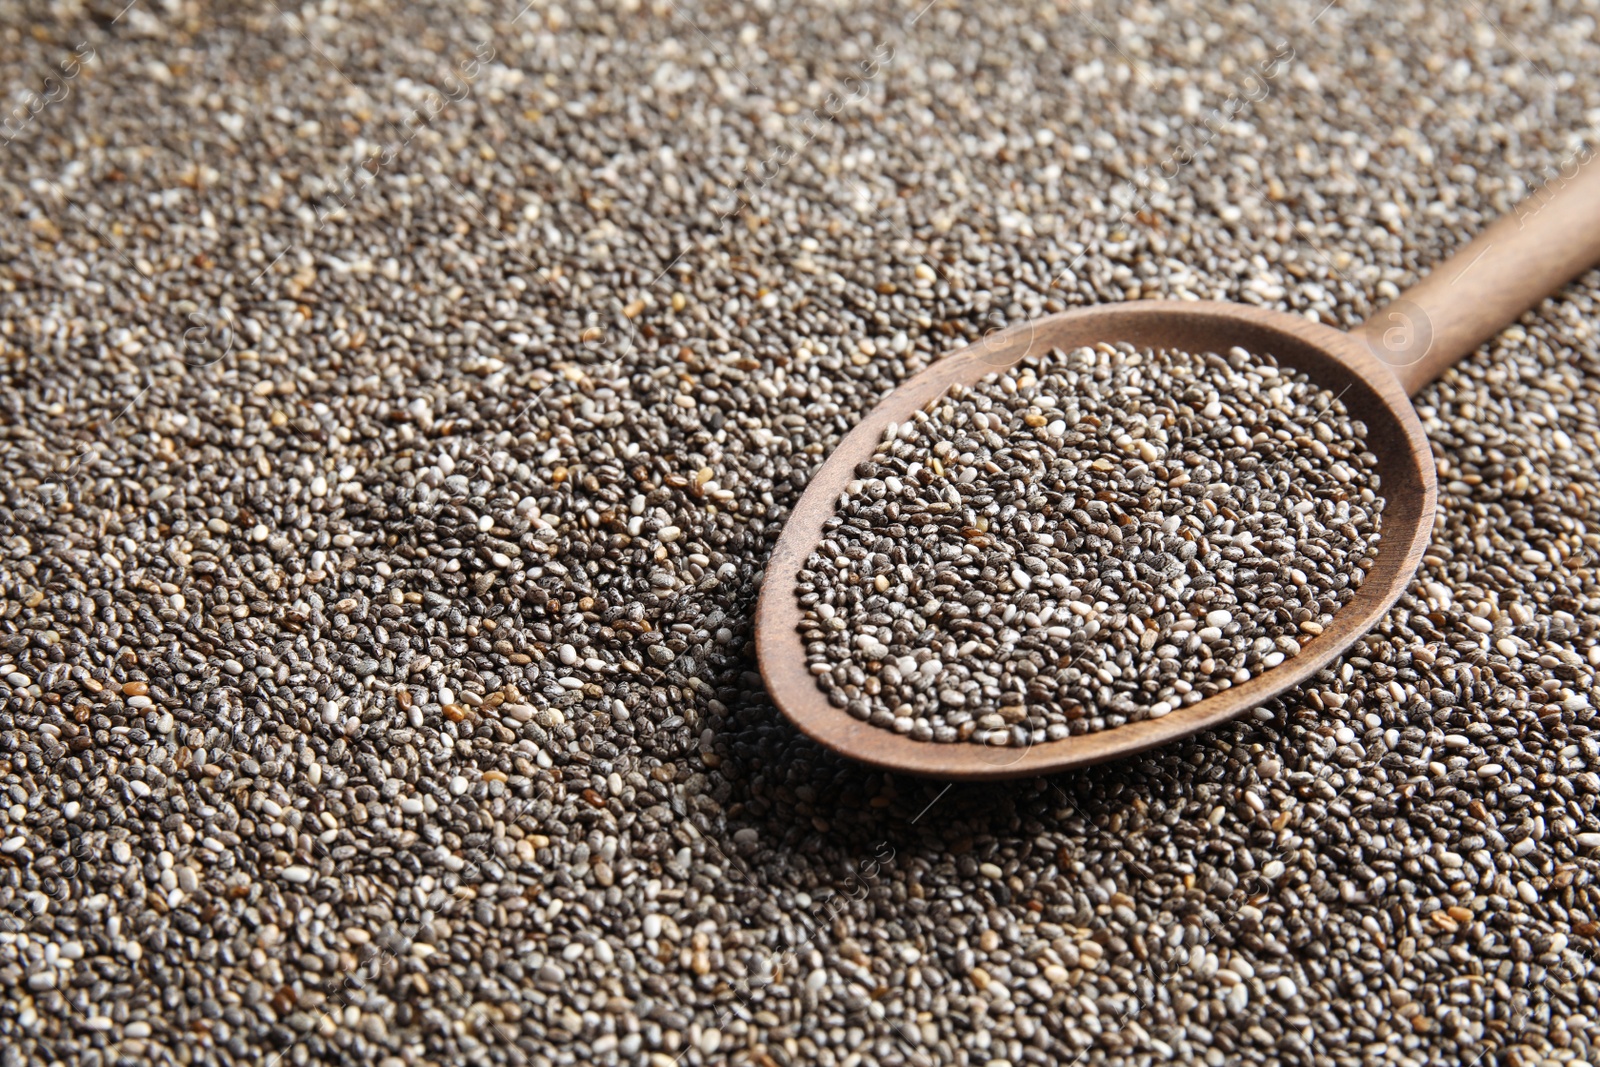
x: 1332, y: 359
x: 1521, y: 258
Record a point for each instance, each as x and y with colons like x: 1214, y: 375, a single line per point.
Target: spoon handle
x: 1548, y: 240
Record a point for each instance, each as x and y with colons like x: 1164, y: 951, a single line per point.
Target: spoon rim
x: 1407, y: 524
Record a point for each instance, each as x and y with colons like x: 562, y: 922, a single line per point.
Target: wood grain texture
x: 1334, y: 360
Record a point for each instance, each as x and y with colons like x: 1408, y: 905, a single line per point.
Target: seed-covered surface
x: 1089, y: 539
x: 334, y: 334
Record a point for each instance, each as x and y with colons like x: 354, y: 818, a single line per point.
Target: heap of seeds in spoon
x: 1087, y: 540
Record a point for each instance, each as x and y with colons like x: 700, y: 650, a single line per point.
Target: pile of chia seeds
x: 400, y: 404
x: 1089, y: 539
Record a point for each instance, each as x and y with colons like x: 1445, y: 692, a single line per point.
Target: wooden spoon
x: 1548, y: 240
